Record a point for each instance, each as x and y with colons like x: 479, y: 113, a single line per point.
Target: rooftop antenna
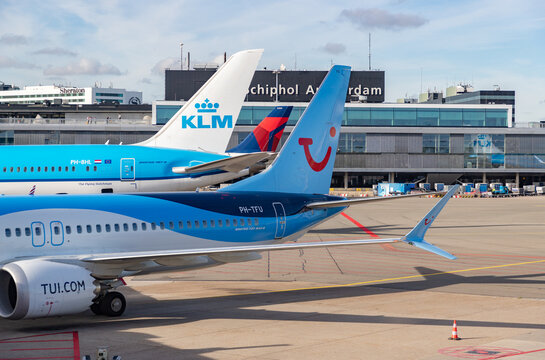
x: 181, y: 56
x: 369, y: 51
x: 421, y: 80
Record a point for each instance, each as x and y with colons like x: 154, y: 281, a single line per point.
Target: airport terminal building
x: 475, y: 140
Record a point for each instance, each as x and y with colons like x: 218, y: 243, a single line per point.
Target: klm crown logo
x: 207, y: 122
x: 207, y: 107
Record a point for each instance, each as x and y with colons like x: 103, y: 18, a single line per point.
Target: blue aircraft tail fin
x: 416, y: 235
x: 267, y: 134
x: 305, y: 163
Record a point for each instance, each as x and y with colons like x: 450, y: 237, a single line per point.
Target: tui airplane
x: 62, y: 254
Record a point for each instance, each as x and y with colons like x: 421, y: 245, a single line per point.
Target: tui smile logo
x: 315, y: 165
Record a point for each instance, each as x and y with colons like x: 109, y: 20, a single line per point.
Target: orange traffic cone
x: 454, y: 332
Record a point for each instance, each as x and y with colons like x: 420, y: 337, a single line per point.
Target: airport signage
x: 285, y: 86
x: 72, y: 91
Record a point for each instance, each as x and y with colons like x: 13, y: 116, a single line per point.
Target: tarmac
x: 373, y: 302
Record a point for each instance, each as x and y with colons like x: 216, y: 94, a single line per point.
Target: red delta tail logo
x: 315, y: 165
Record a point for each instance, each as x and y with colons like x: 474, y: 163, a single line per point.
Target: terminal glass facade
x: 376, y: 116
x: 398, y: 117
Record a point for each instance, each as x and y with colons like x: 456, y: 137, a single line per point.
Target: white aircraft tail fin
x: 206, y: 121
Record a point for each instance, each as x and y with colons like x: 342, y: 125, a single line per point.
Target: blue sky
x: 419, y: 44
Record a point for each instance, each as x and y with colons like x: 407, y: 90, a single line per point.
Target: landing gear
x: 111, y: 304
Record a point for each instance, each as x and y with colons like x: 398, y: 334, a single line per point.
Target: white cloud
x: 333, y: 48
x: 162, y: 65
x: 56, y: 51
x: 8, y: 62
x: 367, y: 19
x: 84, y: 66
x: 13, y: 39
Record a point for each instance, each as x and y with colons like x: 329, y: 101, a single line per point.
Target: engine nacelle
x: 40, y: 288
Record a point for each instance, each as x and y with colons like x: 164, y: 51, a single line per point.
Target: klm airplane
x: 188, y: 152
x: 64, y: 254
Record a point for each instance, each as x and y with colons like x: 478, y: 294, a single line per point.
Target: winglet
x: 416, y: 235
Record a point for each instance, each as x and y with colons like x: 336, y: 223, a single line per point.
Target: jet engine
x: 40, y: 288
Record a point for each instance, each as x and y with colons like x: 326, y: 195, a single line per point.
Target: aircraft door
x: 127, y: 169
x: 38, y: 233
x: 280, y: 220
x: 57, y: 233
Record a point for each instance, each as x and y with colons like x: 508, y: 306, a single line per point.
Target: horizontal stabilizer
x: 348, y: 202
x: 229, y: 164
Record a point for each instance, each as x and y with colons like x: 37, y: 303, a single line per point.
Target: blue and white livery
x: 63, y: 254
x: 197, y: 134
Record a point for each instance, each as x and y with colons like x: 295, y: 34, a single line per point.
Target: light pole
x: 276, y: 72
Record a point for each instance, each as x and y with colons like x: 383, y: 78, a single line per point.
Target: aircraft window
x: 220, y: 223
x: 18, y: 169
x: 73, y: 168
x: 241, y: 222
x: 38, y: 230
x: 56, y: 230
x: 39, y: 169
x: 27, y: 231
x: 204, y: 223
x: 144, y: 227
x: 8, y: 232
x: 65, y: 168
x: 188, y: 224
x: 153, y: 226
x: 11, y: 169
x: 212, y: 224
x: 78, y: 229
x: 108, y: 227
x: 17, y: 232
x: 94, y: 168
x: 52, y: 168
x: 256, y: 222
x: 99, y: 228
x: 162, y: 225
x: 125, y: 227
x: 87, y: 168
x: 180, y: 224
x: 134, y: 226
x: 171, y: 225
x: 24, y: 169
x: 32, y: 169
x: 249, y: 222
x: 227, y: 222
x: 68, y: 230
x: 234, y: 222
x: 45, y: 168
x: 196, y: 223
x: 89, y: 229
x: 60, y: 168
x: 116, y: 227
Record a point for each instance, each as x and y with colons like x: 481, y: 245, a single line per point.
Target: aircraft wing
x: 152, y: 255
x: 348, y: 202
x: 234, y: 163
